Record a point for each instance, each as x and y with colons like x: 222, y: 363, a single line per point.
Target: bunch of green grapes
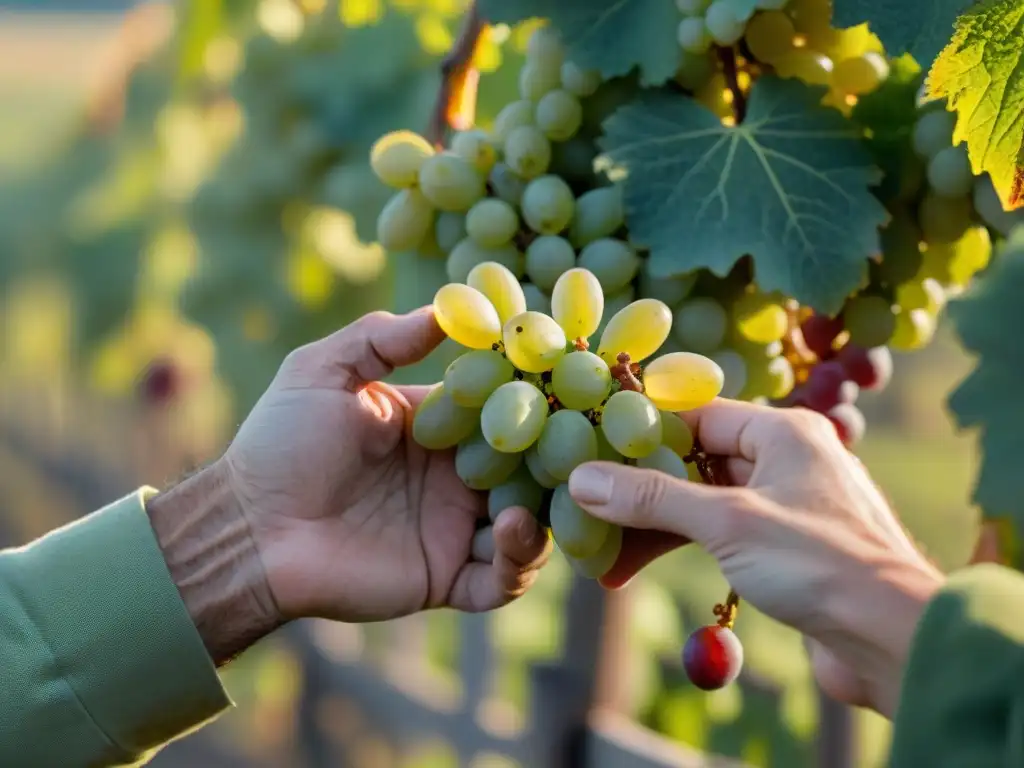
x: 527, y: 401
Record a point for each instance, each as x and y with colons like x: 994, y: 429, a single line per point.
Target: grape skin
x: 507, y: 184
x: 602, y: 561
x: 514, y: 416
x: 632, y: 424
x: 466, y: 316
x: 536, y: 299
x: 577, y: 303
x: 676, y: 434
x: 693, y: 35
x: 548, y: 205
x: 700, y: 325
x: 613, y: 262
x: 440, y: 423
x: 405, y: 221
x: 949, y: 172
x: 475, y: 147
x: 869, y: 320
x: 547, y: 259
x: 559, y: 114
x: 473, y: 376
x: 578, y: 81
x: 501, y: 287
x: 449, y: 230
x: 492, y: 222
x: 598, y: 213
x: 723, y: 25
x: 664, y: 459
x: 537, y: 470
x: 527, y: 151
x: 933, y: 132
x: 568, y: 440
x: 469, y: 254
x: 480, y: 466
x: 576, y: 532
x: 581, y: 380
x: 520, y: 490
x: 760, y: 317
x: 450, y: 183
x: 533, y: 342
x: 639, y: 330
x: 396, y: 158
x: 681, y: 381
x: 511, y: 116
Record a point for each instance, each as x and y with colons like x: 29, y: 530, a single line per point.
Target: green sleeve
x: 100, y: 662
x: 963, y: 690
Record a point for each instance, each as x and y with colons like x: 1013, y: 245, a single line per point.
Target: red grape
x: 161, y: 383
x: 849, y: 423
x: 819, y: 331
x: 827, y: 386
x: 869, y: 368
x: 713, y: 657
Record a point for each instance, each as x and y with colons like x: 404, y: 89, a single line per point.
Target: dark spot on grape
x: 519, y: 329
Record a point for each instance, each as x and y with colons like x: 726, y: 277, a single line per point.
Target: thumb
x: 649, y: 499
x: 371, y: 348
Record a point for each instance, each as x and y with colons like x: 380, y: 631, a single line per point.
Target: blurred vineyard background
x: 184, y: 197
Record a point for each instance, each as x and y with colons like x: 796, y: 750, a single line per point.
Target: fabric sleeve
x: 100, y: 661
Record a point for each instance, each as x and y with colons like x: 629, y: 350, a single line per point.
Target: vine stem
x: 455, y: 107
x: 727, y: 55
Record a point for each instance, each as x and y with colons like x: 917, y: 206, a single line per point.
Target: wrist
x: 214, y: 562
x: 878, y: 615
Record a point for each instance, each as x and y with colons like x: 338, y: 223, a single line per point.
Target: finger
x: 483, y: 545
x: 739, y: 470
x: 640, y: 548
x: 735, y: 427
x: 649, y: 499
x: 414, y: 394
x: 370, y: 348
x: 521, y: 548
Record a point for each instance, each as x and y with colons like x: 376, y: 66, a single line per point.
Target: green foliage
x: 904, y: 26
x: 610, y: 36
x: 789, y: 186
x: 989, y: 398
x: 981, y: 74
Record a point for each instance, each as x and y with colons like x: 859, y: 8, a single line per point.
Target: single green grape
x: 480, y: 466
x: 578, y: 81
x: 507, y: 184
x: 547, y: 204
x: 601, y: 562
x: 537, y: 470
x: 869, y: 320
x: 613, y: 262
x: 513, y: 416
x: 914, y: 330
x: 520, y: 490
x: 770, y: 377
x: 405, y: 221
x: 581, y: 380
x: 734, y: 372
x: 473, y: 376
x: 441, y: 423
x: 559, y: 114
x: 664, y: 459
x: 676, y: 434
x: 700, y: 324
x: 901, y: 250
x: 568, y: 440
x: 528, y: 151
x: 599, y: 213
x: 449, y: 230
x: 631, y: 423
x: 548, y: 257
x: 944, y: 219
x: 576, y: 531
x: 536, y: 80
x: 475, y: 147
x: 536, y: 299
x: 450, y: 183
x: 671, y: 290
x: 468, y: 254
x: 492, y: 222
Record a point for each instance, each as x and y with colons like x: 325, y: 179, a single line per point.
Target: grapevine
x: 785, y: 193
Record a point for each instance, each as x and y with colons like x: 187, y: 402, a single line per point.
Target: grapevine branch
x: 727, y: 55
x: 456, y: 98
x: 708, y: 467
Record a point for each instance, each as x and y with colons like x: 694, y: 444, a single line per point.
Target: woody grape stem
x: 458, y: 80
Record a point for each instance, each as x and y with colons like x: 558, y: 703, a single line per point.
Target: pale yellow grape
x: 760, y: 317
x: 500, y: 286
x: 927, y: 294
x: 770, y: 36
x: 807, y: 65
x: 396, y: 158
x: 914, y: 330
x: 682, y: 381
x: 638, y: 329
x: 533, y: 342
x: 577, y: 303
x: 467, y: 316
x: 861, y: 74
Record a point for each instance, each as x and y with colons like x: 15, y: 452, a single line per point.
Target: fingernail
x: 590, y: 485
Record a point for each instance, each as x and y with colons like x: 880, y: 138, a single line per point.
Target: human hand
x: 349, y: 518
x: 803, y: 534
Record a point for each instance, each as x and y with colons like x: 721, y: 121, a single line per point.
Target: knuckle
x: 805, y: 425
x: 649, y: 494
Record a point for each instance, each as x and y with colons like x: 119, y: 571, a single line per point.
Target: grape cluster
x: 789, y: 38
x: 528, y: 402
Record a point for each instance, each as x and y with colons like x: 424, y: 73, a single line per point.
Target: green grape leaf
x: 989, y: 398
x: 790, y: 186
x: 611, y: 36
x: 981, y: 73
x: 904, y: 26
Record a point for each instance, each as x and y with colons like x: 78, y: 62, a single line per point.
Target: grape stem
x: 727, y: 55
x: 707, y: 467
x: 459, y: 80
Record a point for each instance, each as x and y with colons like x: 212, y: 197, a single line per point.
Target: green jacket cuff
x: 100, y: 594
x: 962, y: 694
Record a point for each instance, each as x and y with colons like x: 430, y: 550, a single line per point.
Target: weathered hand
x: 351, y: 518
x: 804, y: 535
